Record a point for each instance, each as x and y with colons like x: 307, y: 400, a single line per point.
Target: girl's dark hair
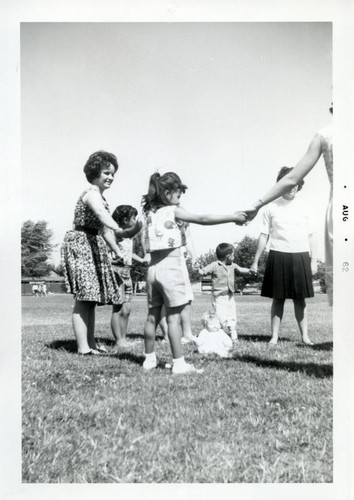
x: 224, y: 249
x: 97, y: 162
x: 284, y: 171
x: 124, y: 212
x: 156, y: 197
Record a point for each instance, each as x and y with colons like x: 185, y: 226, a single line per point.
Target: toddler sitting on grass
x: 212, y: 339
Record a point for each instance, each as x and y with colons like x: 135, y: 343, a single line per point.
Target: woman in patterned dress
x: 87, y: 267
x: 321, y: 144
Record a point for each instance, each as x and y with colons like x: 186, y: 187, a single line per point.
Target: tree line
x: 37, y: 248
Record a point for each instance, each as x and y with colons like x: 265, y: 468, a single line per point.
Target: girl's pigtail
x: 151, y: 198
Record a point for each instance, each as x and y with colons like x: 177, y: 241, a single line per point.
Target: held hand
x: 254, y: 268
x: 251, y: 213
x: 147, y: 259
x: 240, y: 218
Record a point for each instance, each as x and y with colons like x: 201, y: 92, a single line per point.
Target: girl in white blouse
x: 291, y: 260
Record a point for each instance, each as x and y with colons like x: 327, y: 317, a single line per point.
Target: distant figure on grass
x: 321, y: 144
x: 125, y: 217
x: 222, y: 272
x: 213, y: 339
x: 87, y: 268
x: 35, y: 290
x: 43, y: 290
x: 292, y: 258
x: 167, y: 278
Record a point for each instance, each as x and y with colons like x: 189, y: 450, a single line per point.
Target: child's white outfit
x: 167, y: 277
x: 214, y: 343
x: 223, y: 277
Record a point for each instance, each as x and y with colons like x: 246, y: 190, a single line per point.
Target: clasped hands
x: 243, y: 218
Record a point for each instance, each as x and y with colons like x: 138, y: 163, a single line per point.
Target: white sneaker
x: 149, y: 364
x: 185, y: 368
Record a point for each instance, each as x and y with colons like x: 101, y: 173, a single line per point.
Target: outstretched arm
x: 302, y: 168
x: 209, y: 219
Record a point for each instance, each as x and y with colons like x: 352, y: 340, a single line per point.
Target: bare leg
x: 300, y: 309
x: 150, y: 328
x: 91, y: 326
x: 82, y: 324
x: 186, y: 322
x: 173, y: 316
x: 119, y: 321
x: 163, y: 323
x: 276, y: 314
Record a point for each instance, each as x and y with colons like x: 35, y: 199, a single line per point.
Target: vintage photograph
x: 177, y: 252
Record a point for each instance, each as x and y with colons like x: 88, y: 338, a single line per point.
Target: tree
x: 320, y: 275
x: 244, y: 255
x: 36, y: 249
x: 202, y: 261
x: 59, y: 269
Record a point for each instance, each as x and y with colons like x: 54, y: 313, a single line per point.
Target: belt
x: 85, y: 229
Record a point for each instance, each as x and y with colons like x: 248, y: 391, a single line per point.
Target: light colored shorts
x: 225, y: 308
x: 168, y: 281
x: 124, y: 281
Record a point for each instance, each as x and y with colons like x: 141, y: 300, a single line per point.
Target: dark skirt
x: 287, y: 276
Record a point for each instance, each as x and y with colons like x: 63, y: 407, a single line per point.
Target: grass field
x: 263, y: 416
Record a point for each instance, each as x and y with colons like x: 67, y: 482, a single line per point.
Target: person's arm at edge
x: 302, y: 168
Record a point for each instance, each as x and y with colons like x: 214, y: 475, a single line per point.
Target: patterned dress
x: 87, y: 266
x: 326, y: 136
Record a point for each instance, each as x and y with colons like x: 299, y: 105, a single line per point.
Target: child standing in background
x: 223, y: 277
x: 125, y: 217
x: 167, y: 278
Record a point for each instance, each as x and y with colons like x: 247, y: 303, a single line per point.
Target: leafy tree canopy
x: 36, y: 249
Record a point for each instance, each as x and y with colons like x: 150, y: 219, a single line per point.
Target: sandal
x: 101, y: 349
x: 92, y: 352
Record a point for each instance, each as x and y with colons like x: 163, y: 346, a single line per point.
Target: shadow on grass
x: 311, y: 369
x: 71, y: 347
x: 325, y: 346
x: 63, y: 345
x: 259, y: 338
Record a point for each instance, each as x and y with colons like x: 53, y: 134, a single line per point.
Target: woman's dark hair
x: 284, y: 171
x: 156, y: 197
x: 124, y: 212
x: 97, y: 162
x: 224, y: 249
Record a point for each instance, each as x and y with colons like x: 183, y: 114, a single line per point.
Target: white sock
x: 179, y: 361
x: 151, y: 356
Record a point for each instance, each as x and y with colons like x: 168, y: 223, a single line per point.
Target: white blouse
x: 288, y: 223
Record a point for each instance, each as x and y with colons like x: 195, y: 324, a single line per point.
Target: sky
x: 224, y: 105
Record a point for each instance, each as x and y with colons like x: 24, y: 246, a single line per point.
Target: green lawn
x: 263, y: 416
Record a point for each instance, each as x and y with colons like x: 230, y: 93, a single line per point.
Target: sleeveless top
x: 326, y: 135
x: 85, y: 216
x: 161, y: 231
